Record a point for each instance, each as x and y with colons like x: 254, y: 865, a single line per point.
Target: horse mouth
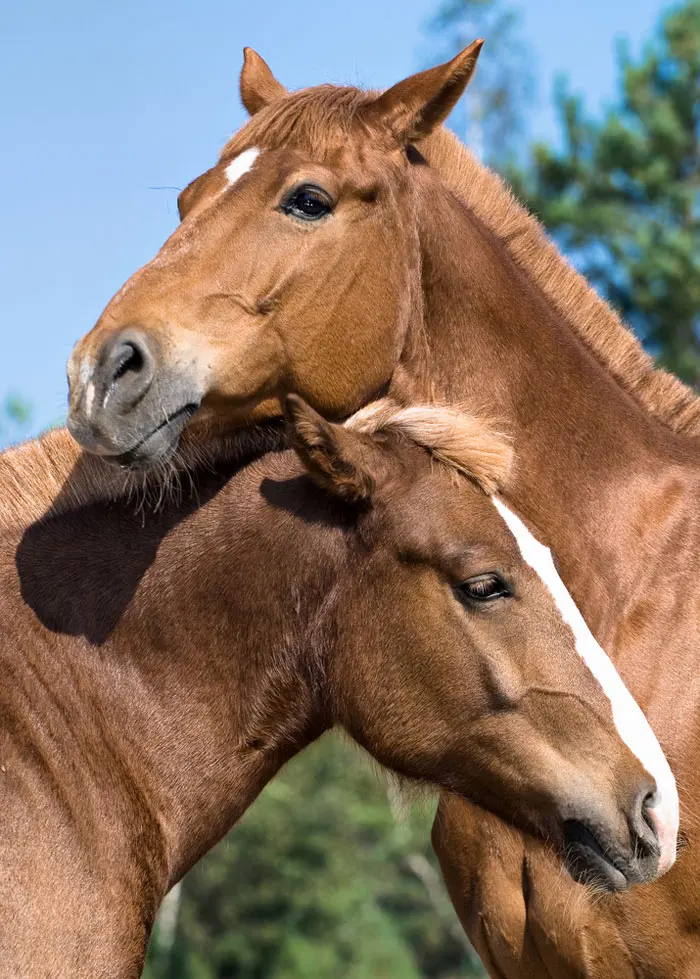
x: 589, y: 862
x: 157, y: 445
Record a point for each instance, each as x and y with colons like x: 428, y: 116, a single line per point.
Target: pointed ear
x: 417, y: 105
x: 337, y: 459
x: 259, y: 86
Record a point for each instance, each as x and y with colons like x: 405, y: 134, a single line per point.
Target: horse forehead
x: 340, y: 155
x: 313, y: 118
x: 202, y: 189
x: 443, y: 513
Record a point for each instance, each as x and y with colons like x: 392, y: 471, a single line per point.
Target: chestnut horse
x: 158, y: 672
x: 345, y: 245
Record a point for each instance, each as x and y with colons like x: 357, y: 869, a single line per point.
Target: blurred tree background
x: 622, y: 193
x: 491, y: 117
x: 320, y: 879
x: 15, y: 419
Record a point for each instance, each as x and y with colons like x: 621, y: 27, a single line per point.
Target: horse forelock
x: 313, y: 119
x: 459, y: 440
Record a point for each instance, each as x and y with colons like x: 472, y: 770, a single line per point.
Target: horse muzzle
x: 126, y: 404
x: 616, y: 860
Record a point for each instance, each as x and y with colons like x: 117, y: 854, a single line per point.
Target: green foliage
x: 490, y: 117
x: 623, y: 194
x: 15, y: 416
x: 319, y: 879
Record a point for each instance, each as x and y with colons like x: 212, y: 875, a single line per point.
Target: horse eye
x: 308, y: 203
x: 484, y: 588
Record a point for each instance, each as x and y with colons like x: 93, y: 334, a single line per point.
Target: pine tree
x: 623, y: 195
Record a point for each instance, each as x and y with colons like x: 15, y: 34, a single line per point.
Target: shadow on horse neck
x: 160, y: 666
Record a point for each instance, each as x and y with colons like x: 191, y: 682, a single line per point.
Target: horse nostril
x: 647, y: 803
x: 130, y: 359
x: 128, y: 368
x: 646, y: 841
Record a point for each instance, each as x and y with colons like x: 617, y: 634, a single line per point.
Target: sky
x: 105, y: 107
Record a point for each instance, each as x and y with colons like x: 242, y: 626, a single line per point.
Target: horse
x: 159, y: 668
x: 345, y: 246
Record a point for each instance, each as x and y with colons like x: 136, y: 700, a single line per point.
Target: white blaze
x: 241, y: 164
x: 629, y: 719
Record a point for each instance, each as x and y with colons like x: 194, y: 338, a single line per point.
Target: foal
x: 158, y: 670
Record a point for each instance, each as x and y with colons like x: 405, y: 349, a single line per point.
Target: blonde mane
x: 590, y: 317
x: 51, y: 474
x: 458, y: 440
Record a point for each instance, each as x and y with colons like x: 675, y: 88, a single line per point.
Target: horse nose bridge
x: 145, y: 300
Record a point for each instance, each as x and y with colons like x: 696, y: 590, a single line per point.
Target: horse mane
x: 51, y: 474
x: 305, y: 118
x: 460, y: 441
x: 33, y: 474
x: 588, y: 315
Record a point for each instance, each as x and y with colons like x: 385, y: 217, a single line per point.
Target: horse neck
x: 595, y: 475
x: 151, y: 690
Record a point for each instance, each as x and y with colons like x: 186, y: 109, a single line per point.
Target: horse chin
x: 589, y: 862
x: 158, y: 445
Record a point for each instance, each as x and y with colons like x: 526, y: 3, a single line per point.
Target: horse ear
x: 259, y: 86
x: 417, y: 105
x: 336, y: 458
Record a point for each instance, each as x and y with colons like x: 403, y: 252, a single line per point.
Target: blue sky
x: 102, y: 102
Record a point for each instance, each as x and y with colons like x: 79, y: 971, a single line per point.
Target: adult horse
x: 345, y: 245
x: 158, y: 672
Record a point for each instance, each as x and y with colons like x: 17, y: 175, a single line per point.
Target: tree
x: 319, y: 879
x: 622, y: 196
x: 491, y: 117
x: 15, y: 416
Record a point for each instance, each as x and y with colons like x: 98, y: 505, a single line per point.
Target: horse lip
x: 138, y: 456
x: 590, y: 863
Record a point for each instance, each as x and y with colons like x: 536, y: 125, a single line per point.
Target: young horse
x: 325, y: 253
x: 158, y: 672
